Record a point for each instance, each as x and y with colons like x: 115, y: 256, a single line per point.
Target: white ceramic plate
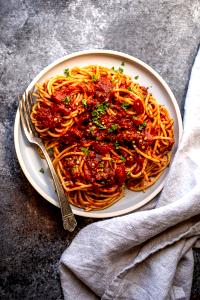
x: 30, y: 161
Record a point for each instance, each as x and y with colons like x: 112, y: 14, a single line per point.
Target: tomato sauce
x: 99, y: 132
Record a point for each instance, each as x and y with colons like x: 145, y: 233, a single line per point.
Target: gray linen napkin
x: 146, y: 254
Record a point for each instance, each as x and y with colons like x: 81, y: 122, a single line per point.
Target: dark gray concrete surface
x: 33, y: 33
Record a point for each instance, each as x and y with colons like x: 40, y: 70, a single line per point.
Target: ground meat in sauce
x: 103, y: 88
x: 102, y: 148
x: 60, y: 95
x: 120, y: 174
x: 48, y: 118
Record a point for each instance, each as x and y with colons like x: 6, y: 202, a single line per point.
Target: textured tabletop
x: 33, y: 33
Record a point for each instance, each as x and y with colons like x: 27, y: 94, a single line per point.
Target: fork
x: 25, y: 105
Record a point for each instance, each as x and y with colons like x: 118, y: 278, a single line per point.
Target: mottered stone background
x: 33, y: 33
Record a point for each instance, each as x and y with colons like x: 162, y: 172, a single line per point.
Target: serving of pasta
x: 104, y: 133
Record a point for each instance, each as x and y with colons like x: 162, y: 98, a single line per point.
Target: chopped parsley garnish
x: 123, y: 63
x: 117, y: 145
x: 113, y: 127
x: 74, y: 168
x: 41, y: 170
x: 51, y: 151
x: 135, y: 118
x: 123, y: 158
x: 125, y: 105
x: 94, y: 113
x: 142, y: 126
x: 66, y: 72
x: 102, y: 182
x: 67, y: 99
x: 97, y: 122
x: 129, y: 89
x: 84, y: 101
x: 101, y: 165
x: 99, y: 110
x: 120, y: 69
x: 85, y: 151
x: 91, y: 129
x: 136, y: 77
x: 94, y: 77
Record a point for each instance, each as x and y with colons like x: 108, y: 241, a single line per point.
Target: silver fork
x: 25, y: 105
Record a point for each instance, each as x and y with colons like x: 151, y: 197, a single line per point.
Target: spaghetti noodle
x: 104, y: 132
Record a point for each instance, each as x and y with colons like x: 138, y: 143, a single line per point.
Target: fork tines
x: 25, y: 107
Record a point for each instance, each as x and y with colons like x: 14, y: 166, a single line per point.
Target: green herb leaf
x: 113, y: 128
x: 123, y: 63
x: 74, y: 168
x: 85, y: 151
x: 41, y: 170
x: 94, y: 113
x: 66, y: 72
x: 113, y: 68
x: 120, y: 70
x: 101, y: 165
x: 129, y: 89
x: 101, y: 108
x: 67, y: 99
x: 94, y: 77
x: 135, y: 118
x: 51, y: 151
x: 123, y: 158
x: 84, y: 101
x: 136, y: 77
x: 91, y: 129
x: 97, y: 122
x: 117, y: 145
x: 142, y: 126
x: 102, y: 182
x: 125, y: 105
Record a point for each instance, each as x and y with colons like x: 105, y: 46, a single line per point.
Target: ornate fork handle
x: 69, y: 221
x: 25, y: 105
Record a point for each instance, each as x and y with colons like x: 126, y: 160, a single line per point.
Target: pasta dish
x: 104, y: 132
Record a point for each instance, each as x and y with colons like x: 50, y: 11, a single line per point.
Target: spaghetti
x: 104, y: 132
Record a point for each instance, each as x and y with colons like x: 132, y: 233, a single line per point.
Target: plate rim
x: 94, y: 214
